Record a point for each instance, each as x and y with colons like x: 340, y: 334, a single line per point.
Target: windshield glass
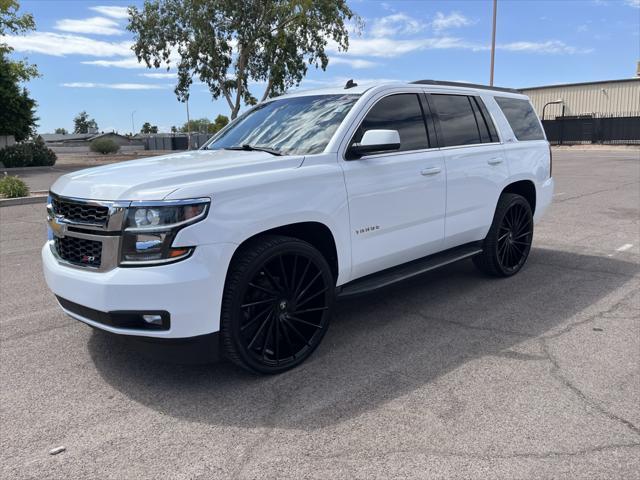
x: 290, y: 126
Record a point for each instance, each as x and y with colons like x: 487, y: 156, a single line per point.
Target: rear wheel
x: 507, y: 245
x: 277, y: 304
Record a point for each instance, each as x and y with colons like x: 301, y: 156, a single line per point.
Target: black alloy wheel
x: 277, y: 304
x: 508, y: 243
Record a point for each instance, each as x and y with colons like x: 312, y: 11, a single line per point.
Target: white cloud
x: 388, y: 47
x: 550, y: 46
x: 633, y: 3
x: 114, y: 86
x: 396, y: 24
x: 111, y: 11
x: 93, y: 25
x: 453, y: 20
x: 352, y: 62
x: 129, y: 62
x: 58, y: 45
x: 164, y: 75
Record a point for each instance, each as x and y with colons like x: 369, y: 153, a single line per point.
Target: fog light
x: 153, y: 319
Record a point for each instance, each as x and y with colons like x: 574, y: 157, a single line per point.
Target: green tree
x: 82, y: 123
x: 220, y: 122
x: 61, y: 131
x: 11, y: 23
x: 17, y: 109
x: 204, y: 125
x: 174, y: 129
x: 148, y: 128
x: 227, y: 43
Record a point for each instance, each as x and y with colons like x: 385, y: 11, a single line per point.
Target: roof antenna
x: 350, y: 84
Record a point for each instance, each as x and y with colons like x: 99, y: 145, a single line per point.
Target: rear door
x: 396, y: 199
x: 476, y: 167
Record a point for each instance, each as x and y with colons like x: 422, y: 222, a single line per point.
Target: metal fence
x: 619, y: 129
x: 175, y: 142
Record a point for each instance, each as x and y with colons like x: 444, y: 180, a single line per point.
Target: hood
x: 156, y: 177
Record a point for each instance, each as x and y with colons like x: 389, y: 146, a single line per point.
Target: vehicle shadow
x: 379, y: 347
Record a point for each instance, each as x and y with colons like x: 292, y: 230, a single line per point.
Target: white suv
x: 247, y: 242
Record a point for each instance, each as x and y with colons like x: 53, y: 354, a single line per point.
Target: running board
x: 408, y: 270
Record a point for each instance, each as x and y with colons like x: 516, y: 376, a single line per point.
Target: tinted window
x: 297, y: 125
x: 457, y: 120
x: 398, y: 112
x: 523, y: 120
x: 488, y: 120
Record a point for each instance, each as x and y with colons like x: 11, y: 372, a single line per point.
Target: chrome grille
x: 79, y: 251
x: 79, y: 212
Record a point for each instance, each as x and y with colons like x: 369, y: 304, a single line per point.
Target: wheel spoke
x: 264, y: 289
x: 301, y: 294
x: 293, y: 273
x: 299, y: 320
x: 271, y: 279
x: 309, y: 310
x: 259, y: 302
x: 277, y: 334
x: 255, y: 337
x: 500, y: 239
x: 285, y: 280
x: 308, y: 299
x: 285, y: 332
x: 297, y: 332
x: 255, y: 318
x: 304, y: 274
x: 266, y: 339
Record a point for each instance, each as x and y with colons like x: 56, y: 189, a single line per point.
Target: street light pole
x: 133, y: 127
x: 493, y: 41
x: 553, y: 102
x: 188, y: 127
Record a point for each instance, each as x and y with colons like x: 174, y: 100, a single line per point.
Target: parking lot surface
x: 452, y: 375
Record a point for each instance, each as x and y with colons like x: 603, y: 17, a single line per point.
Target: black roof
x: 468, y: 85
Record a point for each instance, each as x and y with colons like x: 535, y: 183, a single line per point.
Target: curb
x: 9, y: 202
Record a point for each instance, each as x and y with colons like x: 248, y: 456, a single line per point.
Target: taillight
x: 550, y: 161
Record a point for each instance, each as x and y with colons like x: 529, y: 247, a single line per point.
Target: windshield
x: 290, y: 126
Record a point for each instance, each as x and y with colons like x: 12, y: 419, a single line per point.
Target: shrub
x: 13, y: 187
x: 28, y: 154
x: 104, y: 145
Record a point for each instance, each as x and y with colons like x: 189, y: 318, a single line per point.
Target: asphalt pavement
x: 452, y: 375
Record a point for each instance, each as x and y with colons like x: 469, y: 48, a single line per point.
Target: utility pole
x: 133, y: 127
x: 493, y: 41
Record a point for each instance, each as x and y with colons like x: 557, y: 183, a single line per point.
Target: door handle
x: 495, y: 161
x: 430, y: 171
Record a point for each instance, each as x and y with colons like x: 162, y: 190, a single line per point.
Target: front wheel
x: 507, y: 245
x: 277, y: 303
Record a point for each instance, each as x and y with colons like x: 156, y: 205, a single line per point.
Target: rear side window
x: 523, y: 120
x: 461, y: 120
x: 401, y: 112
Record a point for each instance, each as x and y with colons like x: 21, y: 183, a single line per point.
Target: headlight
x: 150, y: 228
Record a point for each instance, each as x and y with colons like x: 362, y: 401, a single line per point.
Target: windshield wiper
x: 254, y: 148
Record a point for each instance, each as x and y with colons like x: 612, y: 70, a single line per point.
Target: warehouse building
x: 591, y: 112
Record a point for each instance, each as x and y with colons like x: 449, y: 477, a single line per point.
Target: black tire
x: 277, y: 303
x: 508, y: 243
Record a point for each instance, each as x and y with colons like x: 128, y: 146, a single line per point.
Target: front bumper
x: 190, y: 291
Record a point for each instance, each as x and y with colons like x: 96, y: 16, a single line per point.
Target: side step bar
x: 407, y: 270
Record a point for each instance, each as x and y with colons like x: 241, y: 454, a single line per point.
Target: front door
x: 396, y: 199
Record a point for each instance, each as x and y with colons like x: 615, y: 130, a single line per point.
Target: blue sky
x: 83, y: 52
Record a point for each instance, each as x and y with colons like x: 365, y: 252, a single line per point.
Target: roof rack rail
x: 468, y: 85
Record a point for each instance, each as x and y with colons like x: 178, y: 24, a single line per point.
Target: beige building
x: 613, y: 97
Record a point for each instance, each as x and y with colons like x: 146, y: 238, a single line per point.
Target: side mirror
x: 374, y: 141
